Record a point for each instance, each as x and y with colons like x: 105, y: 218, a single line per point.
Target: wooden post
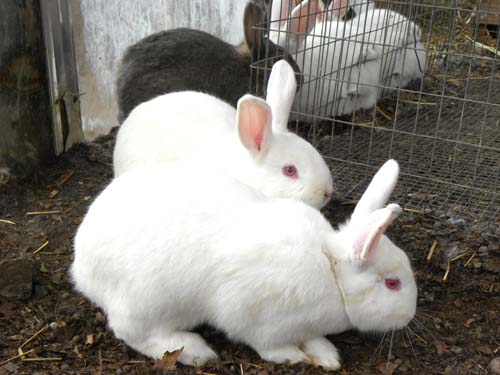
x: 26, y: 136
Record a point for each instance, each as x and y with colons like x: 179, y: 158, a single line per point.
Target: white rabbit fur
x: 339, y: 8
x: 377, y: 47
x: 399, y: 42
x: 192, y: 125
x: 270, y: 273
x: 341, y: 69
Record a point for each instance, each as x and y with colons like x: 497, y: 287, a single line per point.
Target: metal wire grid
x: 444, y: 129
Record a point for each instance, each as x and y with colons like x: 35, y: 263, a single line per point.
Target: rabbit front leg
x: 196, y: 351
x: 322, y: 353
x: 286, y: 354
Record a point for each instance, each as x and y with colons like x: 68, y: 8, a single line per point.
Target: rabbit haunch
x: 259, y: 151
x: 271, y: 273
x: 192, y: 60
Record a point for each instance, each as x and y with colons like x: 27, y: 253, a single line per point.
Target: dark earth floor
x: 457, y: 332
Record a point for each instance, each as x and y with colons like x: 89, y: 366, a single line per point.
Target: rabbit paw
x: 322, y: 353
x: 196, y: 351
x: 286, y: 354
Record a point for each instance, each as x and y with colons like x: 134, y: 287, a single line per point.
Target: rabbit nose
x: 327, y: 195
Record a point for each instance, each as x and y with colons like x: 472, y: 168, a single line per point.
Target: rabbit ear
x: 367, y: 234
x: 304, y: 17
x: 280, y: 11
x: 378, y: 192
x: 337, y: 9
x: 254, y: 14
x: 281, y: 89
x: 254, y: 119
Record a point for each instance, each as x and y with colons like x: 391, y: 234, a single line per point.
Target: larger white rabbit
x: 164, y: 249
x: 251, y: 144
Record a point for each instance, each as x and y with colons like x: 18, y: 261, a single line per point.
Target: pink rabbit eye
x: 290, y: 171
x: 393, y: 284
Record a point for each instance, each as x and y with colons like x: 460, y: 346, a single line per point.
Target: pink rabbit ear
x: 378, y: 191
x: 254, y: 119
x: 367, y: 235
x: 304, y: 17
x: 280, y: 11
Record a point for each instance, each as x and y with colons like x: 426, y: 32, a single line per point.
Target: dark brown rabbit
x: 185, y: 59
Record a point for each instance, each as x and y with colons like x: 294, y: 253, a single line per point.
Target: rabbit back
x: 172, y: 127
x: 179, y: 60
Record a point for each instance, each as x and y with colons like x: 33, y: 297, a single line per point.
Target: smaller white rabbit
x: 258, y: 151
x: 341, y: 68
x: 161, y: 256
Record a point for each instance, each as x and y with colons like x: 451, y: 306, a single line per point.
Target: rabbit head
x: 337, y: 9
x: 284, y: 165
x: 375, y: 277
x: 258, y: 41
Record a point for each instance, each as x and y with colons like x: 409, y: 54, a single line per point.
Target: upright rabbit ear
x: 254, y: 119
x: 304, y: 17
x: 367, y: 233
x: 254, y: 14
x: 281, y: 89
x: 280, y: 11
x: 378, y: 192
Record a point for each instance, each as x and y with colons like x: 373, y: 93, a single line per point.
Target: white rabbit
x: 268, y: 158
x: 164, y: 249
x: 348, y: 65
x: 340, y: 68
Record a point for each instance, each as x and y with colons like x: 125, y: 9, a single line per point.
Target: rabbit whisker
x: 390, y: 347
x: 423, y: 328
x: 411, y: 344
x: 423, y: 314
x: 378, y: 348
x: 417, y: 336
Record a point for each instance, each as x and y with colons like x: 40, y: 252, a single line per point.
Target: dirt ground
x: 457, y: 331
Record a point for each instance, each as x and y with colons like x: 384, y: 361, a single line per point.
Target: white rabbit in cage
x: 340, y: 67
x: 348, y: 65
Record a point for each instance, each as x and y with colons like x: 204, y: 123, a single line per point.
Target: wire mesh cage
x: 414, y: 80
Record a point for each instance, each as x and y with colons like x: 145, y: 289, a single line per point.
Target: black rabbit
x: 185, y: 59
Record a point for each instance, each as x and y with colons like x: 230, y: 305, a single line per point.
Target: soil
x: 457, y: 331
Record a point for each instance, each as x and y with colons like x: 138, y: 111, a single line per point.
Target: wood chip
x: 448, y: 266
x: 431, y: 250
x: 7, y: 222
x: 33, y: 213
x: 470, y: 259
x: 41, y: 247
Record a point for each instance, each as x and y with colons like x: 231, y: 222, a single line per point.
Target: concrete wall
x: 104, y: 28
x: 25, y: 116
